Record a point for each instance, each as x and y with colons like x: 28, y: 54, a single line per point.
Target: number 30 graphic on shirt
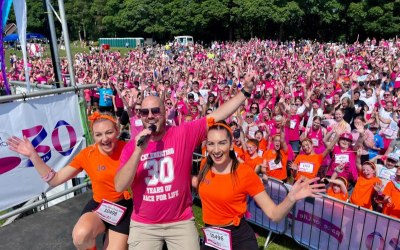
x: 161, y: 170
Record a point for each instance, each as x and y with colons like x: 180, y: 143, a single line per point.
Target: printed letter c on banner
x: 8, y: 159
x: 40, y: 134
x: 56, y: 139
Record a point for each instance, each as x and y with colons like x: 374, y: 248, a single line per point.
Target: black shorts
x: 124, y: 119
x: 109, y: 109
x: 119, y: 112
x: 123, y: 225
x: 243, y: 237
x: 94, y: 99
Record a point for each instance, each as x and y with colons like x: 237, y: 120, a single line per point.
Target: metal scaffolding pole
x: 24, y: 96
x: 53, y: 43
x: 67, y: 42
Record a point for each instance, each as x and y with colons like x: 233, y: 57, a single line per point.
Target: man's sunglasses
x: 155, y: 111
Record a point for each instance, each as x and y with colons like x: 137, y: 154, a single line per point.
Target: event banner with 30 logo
x: 53, y: 126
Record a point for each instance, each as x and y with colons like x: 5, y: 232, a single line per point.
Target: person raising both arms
x: 100, y: 161
x: 159, y: 171
x: 224, y: 184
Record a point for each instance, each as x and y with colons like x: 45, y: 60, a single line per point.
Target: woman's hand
x: 21, y: 146
x: 304, y: 187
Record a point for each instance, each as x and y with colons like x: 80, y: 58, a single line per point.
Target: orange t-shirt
x: 224, y: 196
x: 392, y: 209
x: 101, y: 170
x: 239, y: 152
x: 340, y: 196
x: 308, y: 165
x: 252, y: 162
x: 277, y: 171
x: 362, y: 192
x: 263, y: 145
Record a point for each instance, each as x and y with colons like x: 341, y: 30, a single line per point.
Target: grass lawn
x: 277, y: 242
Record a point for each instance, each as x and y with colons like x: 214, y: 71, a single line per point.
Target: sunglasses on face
x: 392, y: 161
x: 386, y: 95
x: 155, y: 111
x: 249, y: 116
x: 253, y: 107
x: 169, y: 103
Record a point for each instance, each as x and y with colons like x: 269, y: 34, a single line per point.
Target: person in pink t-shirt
x: 157, y: 166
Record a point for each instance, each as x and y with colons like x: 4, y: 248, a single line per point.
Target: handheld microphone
x: 141, y: 140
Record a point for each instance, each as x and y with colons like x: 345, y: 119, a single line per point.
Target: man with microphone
x: 156, y: 164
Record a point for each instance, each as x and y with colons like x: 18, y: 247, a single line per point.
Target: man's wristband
x: 245, y: 93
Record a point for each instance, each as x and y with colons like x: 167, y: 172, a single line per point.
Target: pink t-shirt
x: 349, y: 159
x: 161, y: 187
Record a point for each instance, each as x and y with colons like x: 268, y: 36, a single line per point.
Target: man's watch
x: 245, y: 93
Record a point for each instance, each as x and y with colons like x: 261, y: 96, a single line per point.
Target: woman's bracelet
x: 49, y: 176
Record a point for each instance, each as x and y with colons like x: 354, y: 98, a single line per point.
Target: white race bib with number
x: 306, y: 167
x: 218, y: 238
x: 292, y: 124
x: 273, y: 165
x: 315, y: 142
x: 138, y: 123
x: 341, y: 158
x: 110, y: 212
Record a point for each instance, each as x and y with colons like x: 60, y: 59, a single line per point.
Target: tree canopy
x: 325, y: 20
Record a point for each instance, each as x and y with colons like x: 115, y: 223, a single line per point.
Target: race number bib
x: 315, y: 142
x: 260, y: 152
x: 110, y: 212
x: 341, y: 158
x: 306, y: 167
x: 138, y: 123
x: 292, y: 124
x: 273, y: 165
x: 218, y: 238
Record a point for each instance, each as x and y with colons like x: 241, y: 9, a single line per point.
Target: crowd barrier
x: 327, y: 223
x: 277, y: 191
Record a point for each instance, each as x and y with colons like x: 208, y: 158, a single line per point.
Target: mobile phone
x: 236, y: 133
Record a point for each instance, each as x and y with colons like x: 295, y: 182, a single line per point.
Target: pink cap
x: 346, y: 136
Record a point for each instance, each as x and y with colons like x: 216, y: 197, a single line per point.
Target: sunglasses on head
x: 155, y: 111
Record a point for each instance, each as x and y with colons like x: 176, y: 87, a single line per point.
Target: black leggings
x: 243, y: 237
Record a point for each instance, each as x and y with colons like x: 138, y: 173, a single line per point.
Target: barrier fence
x: 277, y: 191
x: 327, y: 223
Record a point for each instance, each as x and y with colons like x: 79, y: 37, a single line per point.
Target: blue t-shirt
x: 378, y: 144
x: 105, y: 99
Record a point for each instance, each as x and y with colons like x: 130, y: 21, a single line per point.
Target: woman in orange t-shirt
x: 367, y: 183
x: 251, y: 157
x: 275, y: 159
x: 100, y: 161
x: 224, y: 184
x: 392, y: 197
x: 308, y: 164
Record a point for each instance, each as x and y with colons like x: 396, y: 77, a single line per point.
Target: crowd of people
x: 301, y: 112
